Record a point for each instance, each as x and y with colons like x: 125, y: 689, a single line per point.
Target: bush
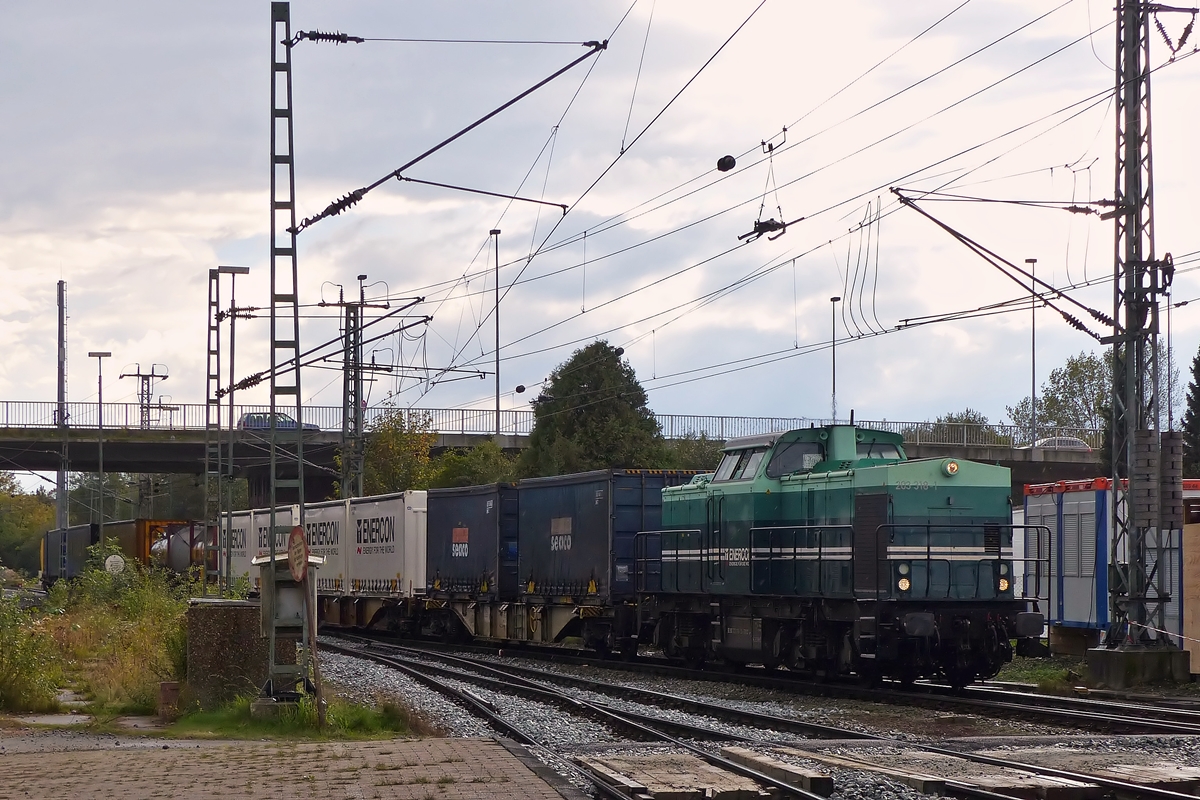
x: 29, y: 671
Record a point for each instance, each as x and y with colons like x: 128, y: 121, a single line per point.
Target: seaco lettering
x: 560, y: 541
x: 322, y: 534
x: 459, y: 539
x: 375, y: 530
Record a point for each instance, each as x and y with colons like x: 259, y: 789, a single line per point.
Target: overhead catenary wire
x: 634, y: 141
x: 1086, y: 102
x: 344, y: 203
x: 623, y: 217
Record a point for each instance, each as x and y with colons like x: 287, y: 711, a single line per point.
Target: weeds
x: 344, y: 720
x: 122, y: 634
x: 29, y: 672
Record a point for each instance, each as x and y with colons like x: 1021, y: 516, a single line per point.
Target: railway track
x: 547, y: 686
x: 1110, y: 715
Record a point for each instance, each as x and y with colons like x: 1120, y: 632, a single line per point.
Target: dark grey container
x: 578, y: 531
x: 472, y: 542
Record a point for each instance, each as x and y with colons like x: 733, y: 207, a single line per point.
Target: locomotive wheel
x: 959, y: 677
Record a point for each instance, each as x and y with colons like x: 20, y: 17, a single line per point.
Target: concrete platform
x: 1122, y: 668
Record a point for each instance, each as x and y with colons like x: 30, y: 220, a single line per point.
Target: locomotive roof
x: 758, y: 440
x: 769, y: 439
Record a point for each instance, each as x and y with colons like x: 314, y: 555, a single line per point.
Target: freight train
x: 170, y: 543
x: 824, y: 550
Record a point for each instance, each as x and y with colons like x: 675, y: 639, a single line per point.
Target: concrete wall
x: 226, y: 654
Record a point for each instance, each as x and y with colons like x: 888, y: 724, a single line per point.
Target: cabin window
x: 728, y: 462
x: 878, y: 450
x: 795, y: 457
x: 739, y: 465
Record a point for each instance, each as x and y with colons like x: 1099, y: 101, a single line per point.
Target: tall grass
x: 121, y: 635
x: 29, y: 671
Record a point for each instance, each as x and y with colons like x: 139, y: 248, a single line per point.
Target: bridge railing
x: 191, y: 416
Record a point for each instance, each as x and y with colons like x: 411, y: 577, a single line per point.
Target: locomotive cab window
x: 878, y: 450
x: 795, y: 457
x: 739, y: 465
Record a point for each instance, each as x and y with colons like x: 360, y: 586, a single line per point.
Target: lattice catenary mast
x: 1145, y: 515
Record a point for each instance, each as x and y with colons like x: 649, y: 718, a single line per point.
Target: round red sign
x: 298, y: 554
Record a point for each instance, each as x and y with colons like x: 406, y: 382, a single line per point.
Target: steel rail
x: 1084, y: 718
x: 636, y: 722
x: 1123, y: 788
x: 481, y: 709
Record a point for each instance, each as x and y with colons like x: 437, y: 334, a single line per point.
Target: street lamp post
x: 1032, y: 262
x: 833, y: 301
x: 100, y: 355
x: 496, y: 233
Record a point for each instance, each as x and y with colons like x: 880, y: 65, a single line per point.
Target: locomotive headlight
x: 1003, y: 568
x: 902, y: 568
x: 1004, y: 584
x: 950, y: 467
x: 904, y: 584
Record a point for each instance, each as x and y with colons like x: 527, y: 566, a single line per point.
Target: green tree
x: 1191, y: 423
x: 396, y: 457
x: 485, y: 463
x: 120, y: 497
x: 24, y: 518
x: 592, y: 414
x: 1074, y: 396
x: 694, y: 452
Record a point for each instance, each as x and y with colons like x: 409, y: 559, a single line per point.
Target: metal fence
x: 22, y: 414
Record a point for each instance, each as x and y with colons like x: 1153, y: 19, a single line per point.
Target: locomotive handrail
x: 821, y: 530
x: 642, y: 559
x: 930, y: 556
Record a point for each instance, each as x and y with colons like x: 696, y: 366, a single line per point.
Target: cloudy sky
x: 135, y: 158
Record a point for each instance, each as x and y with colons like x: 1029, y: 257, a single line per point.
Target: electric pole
x: 145, y: 394
x: 63, y: 511
x: 1144, y: 515
x: 353, y: 396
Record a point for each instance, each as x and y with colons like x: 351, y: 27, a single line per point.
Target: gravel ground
x: 901, y: 722
x: 1082, y: 751
x: 564, y: 734
x: 368, y: 682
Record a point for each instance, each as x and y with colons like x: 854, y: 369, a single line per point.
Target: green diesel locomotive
x: 828, y: 551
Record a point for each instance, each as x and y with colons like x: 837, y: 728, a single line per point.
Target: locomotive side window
x: 795, y: 457
x: 728, y: 462
x: 749, y: 465
x: 878, y: 450
x: 739, y: 465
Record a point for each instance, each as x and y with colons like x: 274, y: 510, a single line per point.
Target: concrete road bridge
x: 170, y: 439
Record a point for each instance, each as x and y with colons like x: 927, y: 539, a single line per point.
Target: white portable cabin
x: 1069, y: 567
